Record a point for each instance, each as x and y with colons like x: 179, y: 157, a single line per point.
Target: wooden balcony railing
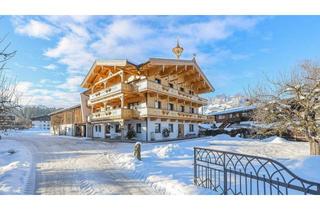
x: 153, y: 112
x: 119, y: 88
x: 151, y: 85
x: 114, y: 114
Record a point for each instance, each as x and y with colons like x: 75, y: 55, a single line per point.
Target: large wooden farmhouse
x: 151, y: 98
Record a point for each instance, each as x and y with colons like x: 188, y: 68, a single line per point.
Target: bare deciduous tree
x: 8, y: 95
x: 291, y: 104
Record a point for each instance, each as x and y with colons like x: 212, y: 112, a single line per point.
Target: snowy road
x: 73, y: 166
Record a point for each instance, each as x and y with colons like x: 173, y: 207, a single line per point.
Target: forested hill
x: 36, y: 110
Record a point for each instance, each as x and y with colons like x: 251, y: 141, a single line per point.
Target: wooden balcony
x: 114, y: 114
x: 163, y: 113
x: 146, y: 85
x: 110, y: 91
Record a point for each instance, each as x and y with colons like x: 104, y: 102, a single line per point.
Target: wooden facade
x: 234, y: 115
x: 159, y: 89
x: 149, y: 98
x: 68, y: 122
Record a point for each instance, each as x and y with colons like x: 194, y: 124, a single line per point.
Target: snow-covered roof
x: 233, y: 110
x: 65, y: 109
x: 206, y: 126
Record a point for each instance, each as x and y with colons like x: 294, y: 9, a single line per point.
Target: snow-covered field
x: 79, y: 166
x: 168, y: 166
x: 15, y: 167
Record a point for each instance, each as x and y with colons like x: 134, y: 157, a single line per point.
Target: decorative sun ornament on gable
x: 177, y: 50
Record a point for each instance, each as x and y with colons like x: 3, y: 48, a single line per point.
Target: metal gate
x: 239, y: 174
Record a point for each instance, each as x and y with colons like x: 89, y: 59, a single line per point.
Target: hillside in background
x: 28, y: 112
x: 222, y: 102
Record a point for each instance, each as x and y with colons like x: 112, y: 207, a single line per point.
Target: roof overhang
x: 118, y: 63
x: 65, y: 109
x: 162, y: 61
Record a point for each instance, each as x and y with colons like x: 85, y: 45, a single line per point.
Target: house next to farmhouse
x: 150, y: 97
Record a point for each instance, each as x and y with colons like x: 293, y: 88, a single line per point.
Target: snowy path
x: 74, y: 166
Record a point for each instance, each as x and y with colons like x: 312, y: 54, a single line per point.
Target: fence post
x: 225, y: 183
x: 194, y: 167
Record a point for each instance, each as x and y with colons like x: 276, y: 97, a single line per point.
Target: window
x: 108, y: 129
x: 157, y: 127
x: 96, y: 128
x: 133, y: 105
x: 182, y: 108
x: 171, y: 85
x: 190, y: 92
x: 99, y: 128
x: 118, y: 128
x: 138, y: 127
x: 157, y: 104
x: 171, y: 128
x: 158, y: 81
x: 129, y: 127
x: 182, y: 89
x: 220, y: 117
x: 244, y: 114
x: 191, y: 128
x: 192, y: 110
x: 171, y: 106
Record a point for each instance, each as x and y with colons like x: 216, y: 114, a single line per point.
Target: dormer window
x: 158, y: 81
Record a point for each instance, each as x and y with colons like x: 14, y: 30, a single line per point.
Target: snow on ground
x: 168, y: 166
x: 15, y: 167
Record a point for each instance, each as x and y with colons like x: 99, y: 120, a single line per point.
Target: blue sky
x: 55, y: 52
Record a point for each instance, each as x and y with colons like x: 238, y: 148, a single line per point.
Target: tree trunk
x: 314, y: 148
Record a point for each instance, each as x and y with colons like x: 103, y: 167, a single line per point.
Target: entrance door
x: 107, y: 130
x: 180, y: 130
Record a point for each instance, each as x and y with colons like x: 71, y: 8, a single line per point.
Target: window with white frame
x: 118, y: 130
x: 157, y: 104
x: 138, y: 128
x: 221, y: 117
x: 171, y: 128
x: 191, y: 128
x: 171, y: 106
x: 157, y: 127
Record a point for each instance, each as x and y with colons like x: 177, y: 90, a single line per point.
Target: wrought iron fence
x: 239, y: 174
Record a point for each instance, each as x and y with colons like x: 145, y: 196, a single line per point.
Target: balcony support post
x: 122, y: 102
x: 122, y: 130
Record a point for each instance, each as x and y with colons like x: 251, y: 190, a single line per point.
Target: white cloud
x: 35, y: 28
x: 72, y: 83
x: 214, y: 28
x: 23, y: 86
x: 82, y: 39
x: 72, y: 49
x: 50, y: 67
x: 33, y: 95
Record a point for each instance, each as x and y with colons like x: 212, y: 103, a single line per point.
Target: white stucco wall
x: 149, y: 127
x: 41, y: 125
